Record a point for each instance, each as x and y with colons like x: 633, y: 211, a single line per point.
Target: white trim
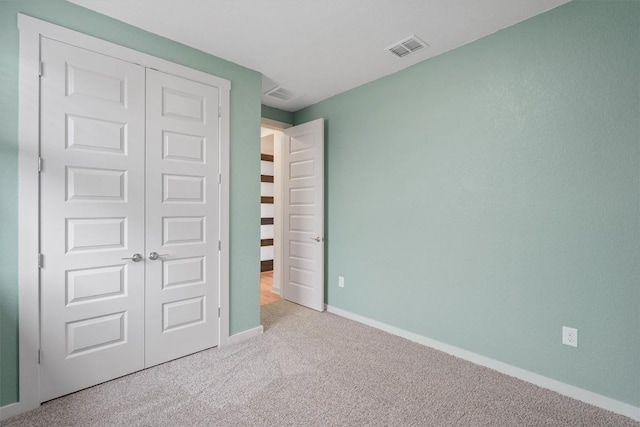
x: 28, y: 218
x: 45, y: 29
x: 274, y: 124
x: 10, y: 410
x: 574, y: 392
x: 225, y: 164
x: 278, y: 213
x: 245, y: 335
x: 31, y: 32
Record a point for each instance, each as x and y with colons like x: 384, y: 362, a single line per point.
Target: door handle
x: 317, y: 239
x: 135, y: 258
x: 155, y: 255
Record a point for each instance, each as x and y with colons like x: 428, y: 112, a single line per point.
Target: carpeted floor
x: 311, y: 369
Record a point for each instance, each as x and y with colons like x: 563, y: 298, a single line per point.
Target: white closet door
x: 182, y: 293
x: 92, y: 210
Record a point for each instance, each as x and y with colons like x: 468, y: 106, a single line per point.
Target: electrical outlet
x: 341, y: 281
x: 569, y: 336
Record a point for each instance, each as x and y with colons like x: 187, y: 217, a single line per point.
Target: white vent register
x: 407, y: 46
x: 281, y: 93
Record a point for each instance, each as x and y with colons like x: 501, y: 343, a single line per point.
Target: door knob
x: 135, y: 258
x: 317, y: 239
x: 155, y: 255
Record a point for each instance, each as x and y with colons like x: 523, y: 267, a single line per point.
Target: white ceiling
x: 319, y: 48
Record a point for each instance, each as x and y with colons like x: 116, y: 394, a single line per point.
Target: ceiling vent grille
x: 406, y: 46
x: 281, y: 93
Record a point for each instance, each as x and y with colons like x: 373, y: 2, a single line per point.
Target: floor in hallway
x: 266, y: 282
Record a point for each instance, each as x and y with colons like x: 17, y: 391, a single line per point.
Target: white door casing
x: 92, y: 199
x: 182, y: 217
x: 303, y: 167
x: 278, y: 212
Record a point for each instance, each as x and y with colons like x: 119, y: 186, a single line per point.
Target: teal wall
x: 246, y: 88
x: 491, y: 195
x: 277, y: 114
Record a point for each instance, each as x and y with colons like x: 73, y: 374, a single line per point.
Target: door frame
x: 278, y: 235
x: 32, y: 30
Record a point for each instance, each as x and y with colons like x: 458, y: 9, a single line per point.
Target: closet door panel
x: 182, y: 217
x: 92, y: 218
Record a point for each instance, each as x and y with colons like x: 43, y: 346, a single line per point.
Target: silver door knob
x: 317, y: 239
x: 155, y: 255
x: 135, y: 258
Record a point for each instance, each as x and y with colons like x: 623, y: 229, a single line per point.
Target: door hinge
x: 39, y: 164
x: 218, y: 311
x: 40, y: 260
x: 39, y: 356
x: 219, y: 178
x: 41, y: 69
x: 219, y: 111
x: 219, y: 245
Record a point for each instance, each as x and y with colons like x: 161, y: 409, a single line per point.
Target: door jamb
x: 32, y: 30
x: 278, y: 253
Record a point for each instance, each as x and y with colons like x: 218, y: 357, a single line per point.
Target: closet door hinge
x: 218, y: 311
x: 219, y: 111
x: 39, y: 356
x: 40, y: 261
x: 39, y: 164
x: 219, y: 245
x: 41, y: 69
x: 219, y: 178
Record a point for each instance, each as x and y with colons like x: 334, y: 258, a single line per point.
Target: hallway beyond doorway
x: 266, y: 295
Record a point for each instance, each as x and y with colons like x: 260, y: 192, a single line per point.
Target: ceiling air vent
x: 281, y: 93
x: 406, y: 46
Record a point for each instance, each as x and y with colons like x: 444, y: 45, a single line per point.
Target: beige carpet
x: 311, y: 369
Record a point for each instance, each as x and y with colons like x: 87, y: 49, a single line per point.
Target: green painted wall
x: 245, y: 161
x: 277, y: 114
x: 486, y: 197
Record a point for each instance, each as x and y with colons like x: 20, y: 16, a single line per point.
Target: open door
x: 303, y: 203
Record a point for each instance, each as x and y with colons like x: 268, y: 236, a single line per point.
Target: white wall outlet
x: 341, y: 281
x: 569, y: 336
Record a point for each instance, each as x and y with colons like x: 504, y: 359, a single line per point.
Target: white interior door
x: 92, y: 217
x: 182, y: 293
x: 303, y: 167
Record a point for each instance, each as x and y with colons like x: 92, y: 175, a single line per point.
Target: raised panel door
x: 92, y: 216
x: 303, y: 160
x: 182, y: 167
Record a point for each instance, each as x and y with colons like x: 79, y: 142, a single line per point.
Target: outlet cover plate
x: 569, y: 336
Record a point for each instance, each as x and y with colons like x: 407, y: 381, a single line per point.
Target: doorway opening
x: 292, y: 207
x: 270, y: 212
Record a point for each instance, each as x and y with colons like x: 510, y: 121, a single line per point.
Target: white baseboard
x: 574, y: 392
x: 245, y: 335
x: 10, y: 410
